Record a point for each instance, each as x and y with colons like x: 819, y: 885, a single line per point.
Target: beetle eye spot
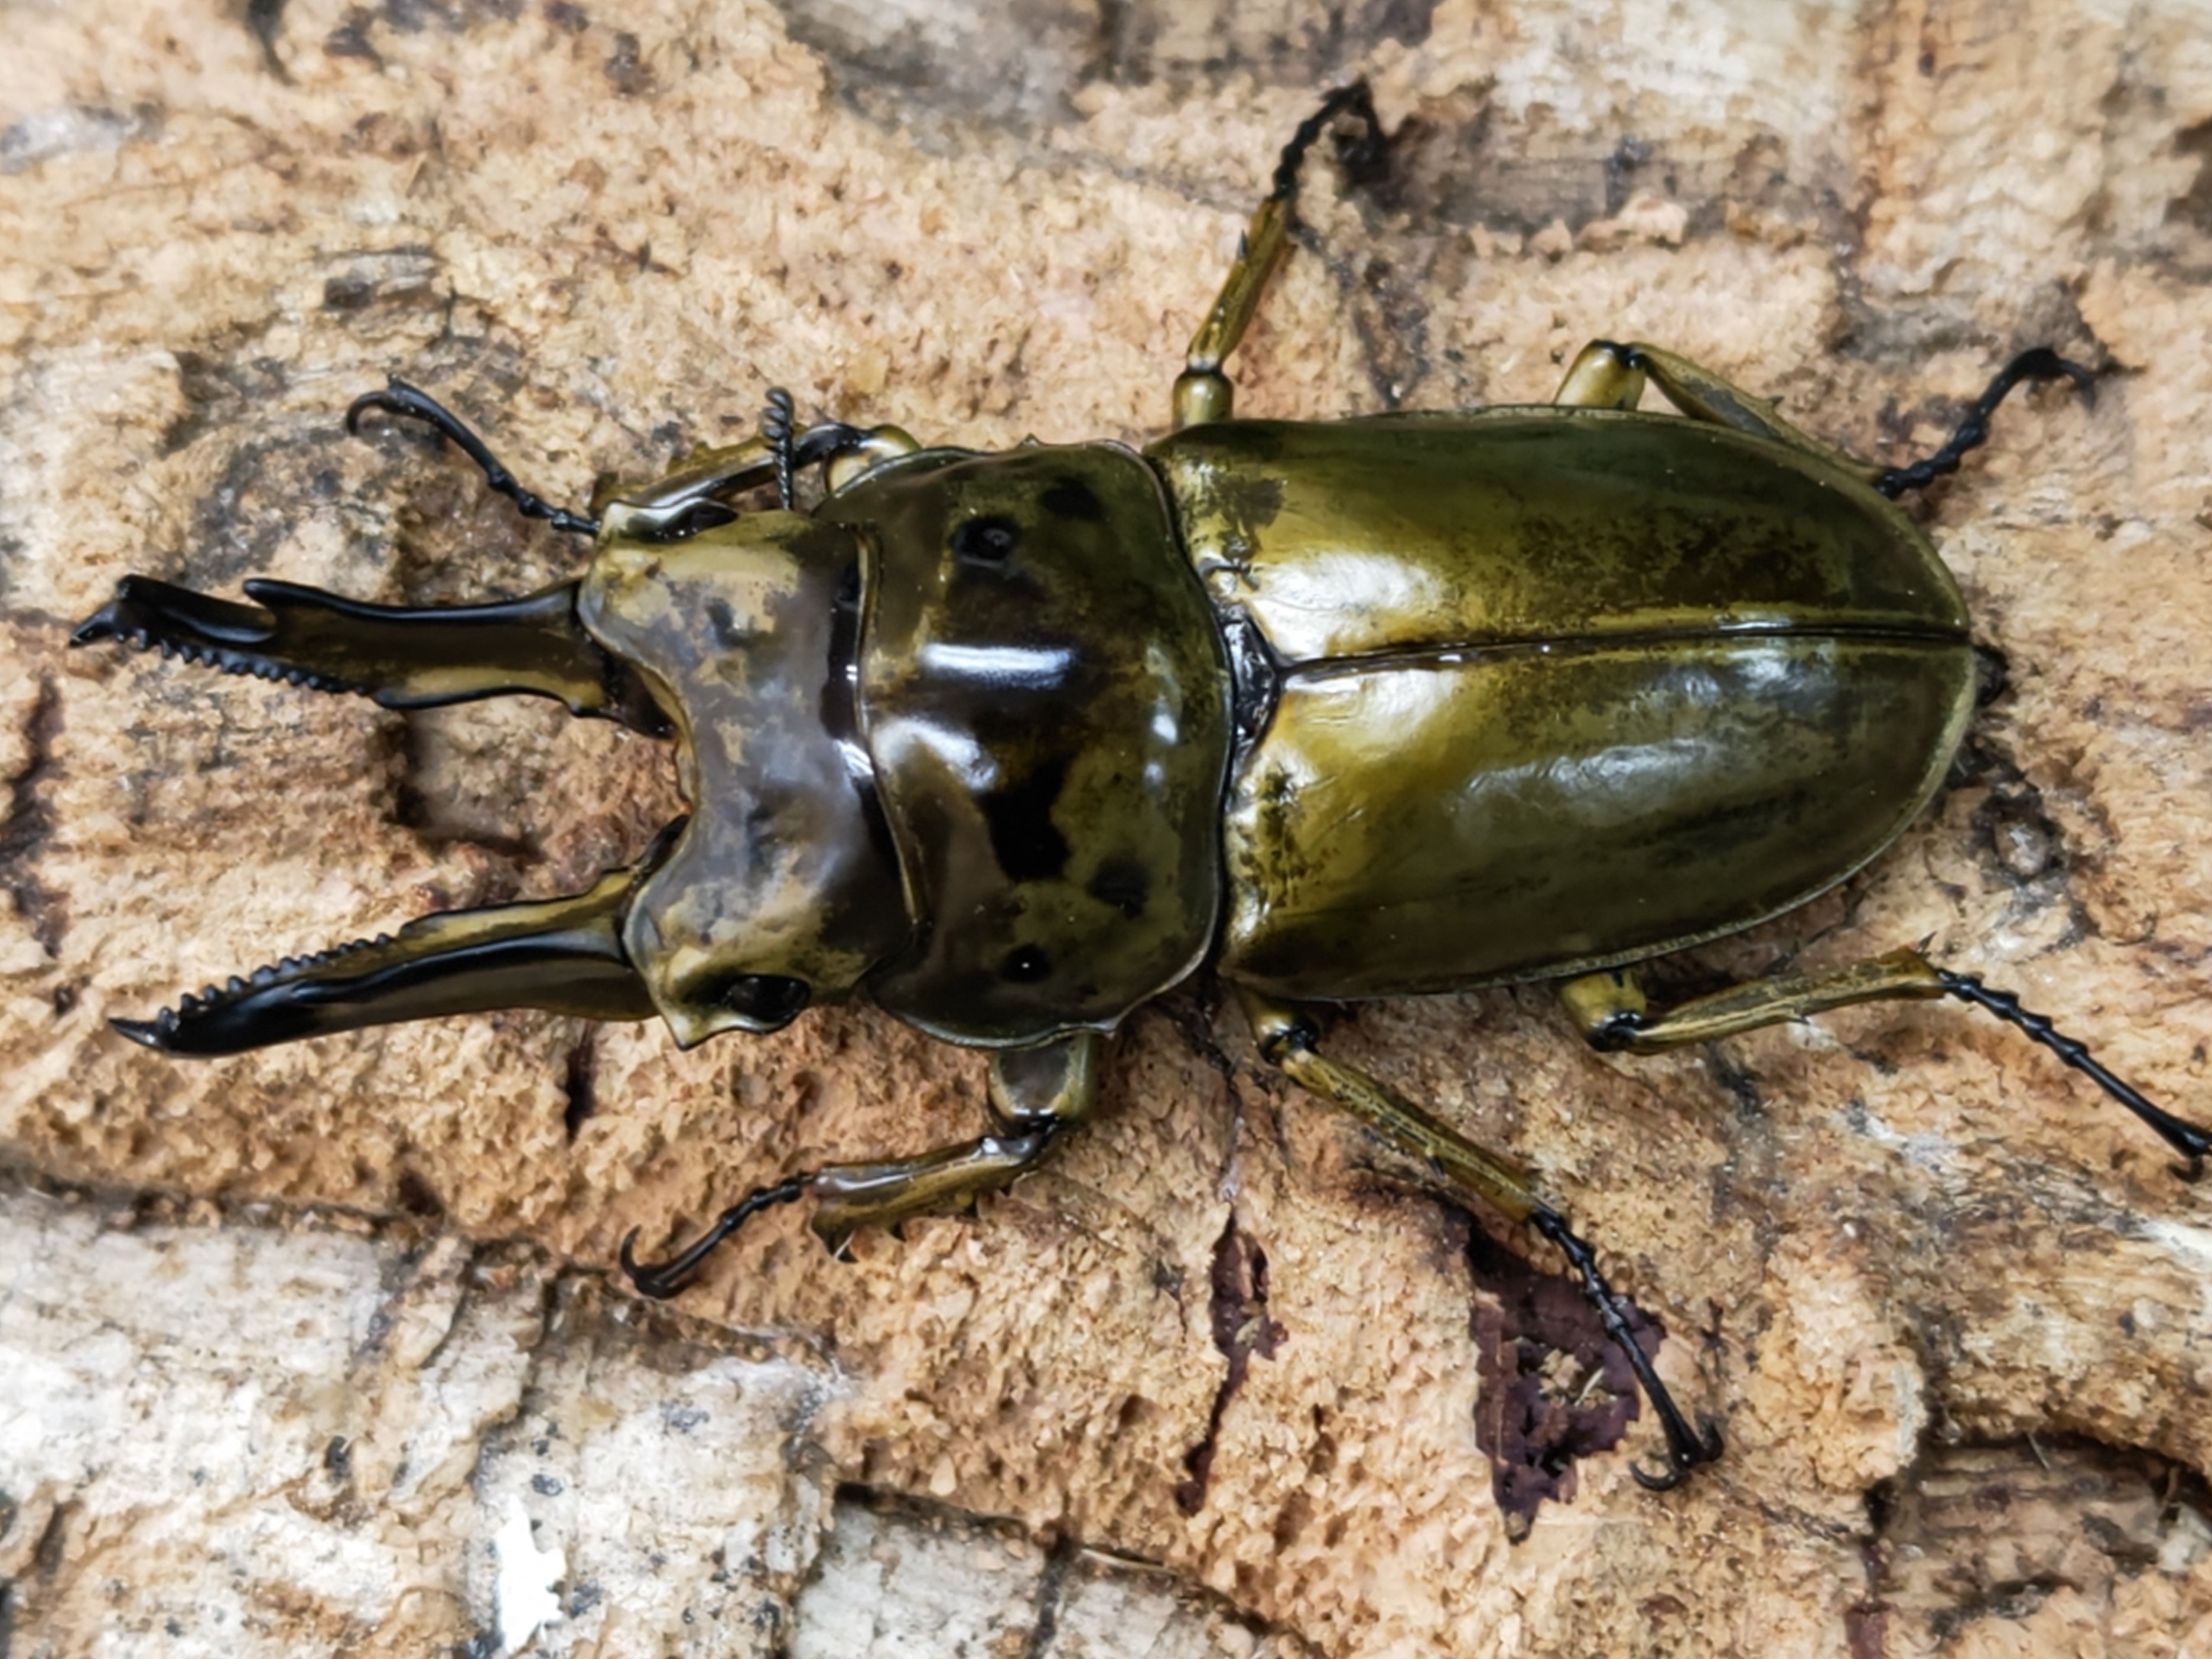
x: 770, y: 999
x: 990, y: 540
x: 1025, y: 965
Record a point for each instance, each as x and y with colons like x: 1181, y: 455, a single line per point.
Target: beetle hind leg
x: 1611, y: 1010
x: 1605, y: 374
x: 562, y: 955
x: 1035, y: 1096
x: 402, y: 657
x: 1288, y: 1040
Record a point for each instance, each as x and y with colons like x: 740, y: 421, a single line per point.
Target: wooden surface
x: 1954, y: 1311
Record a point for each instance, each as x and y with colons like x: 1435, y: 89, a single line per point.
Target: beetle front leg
x: 1035, y: 1094
x: 1614, y: 1015
x: 1285, y: 1039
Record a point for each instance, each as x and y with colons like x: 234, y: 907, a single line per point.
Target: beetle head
x: 782, y: 888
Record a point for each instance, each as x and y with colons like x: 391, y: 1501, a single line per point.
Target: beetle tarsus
x: 1687, y: 1448
x: 662, y: 1280
x: 1361, y: 156
x: 2040, y: 363
x: 1685, y: 1452
x: 2185, y: 1138
x: 399, y: 397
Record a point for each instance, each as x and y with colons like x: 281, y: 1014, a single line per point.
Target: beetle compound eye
x: 769, y: 999
x: 989, y: 540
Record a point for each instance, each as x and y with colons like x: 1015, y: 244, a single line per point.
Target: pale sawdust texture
x: 1899, y: 1228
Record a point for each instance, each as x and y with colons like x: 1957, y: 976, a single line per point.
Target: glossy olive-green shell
x: 1044, y: 696
x: 1554, y: 689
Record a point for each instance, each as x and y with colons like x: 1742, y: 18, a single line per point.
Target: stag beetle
x: 1010, y: 744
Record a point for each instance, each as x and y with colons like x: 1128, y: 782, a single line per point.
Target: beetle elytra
x: 1011, y: 744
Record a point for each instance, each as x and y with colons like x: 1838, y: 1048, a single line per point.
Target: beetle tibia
x: 563, y: 955
x: 403, y: 657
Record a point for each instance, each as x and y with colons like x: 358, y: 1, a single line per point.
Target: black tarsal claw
x: 1682, y: 1456
x: 662, y: 1280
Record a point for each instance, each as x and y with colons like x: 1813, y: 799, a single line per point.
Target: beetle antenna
x: 400, y: 398
x: 2191, y: 1142
x: 775, y: 427
x: 2041, y: 363
x: 662, y: 1280
x: 1687, y: 1448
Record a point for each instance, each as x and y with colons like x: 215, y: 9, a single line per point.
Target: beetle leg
x: 1605, y: 374
x: 2040, y: 363
x: 1287, y: 1040
x: 564, y: 955
x: 1611, y: 1010
x: 1035, y: 1094
x: 403, y: 657
x: 1202, y: 392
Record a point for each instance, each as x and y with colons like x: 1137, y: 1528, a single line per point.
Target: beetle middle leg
x: 1035, y: 1096
x: 1605, y: 374
x: 1288, y: 1040
x: 1614, y: 1015
x: 1202, y: 392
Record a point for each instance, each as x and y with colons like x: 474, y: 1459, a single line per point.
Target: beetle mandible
x: 1010, y: 744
